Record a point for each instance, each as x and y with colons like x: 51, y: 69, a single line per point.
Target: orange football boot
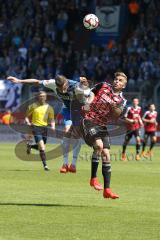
x: 95, y: 183
x: 64, y: 168
x: 137, y: 157
x: 143, y: 154
x: 107, y: 193
x: 72, y: 168
x: 123, y: 158
x: 149, y: 153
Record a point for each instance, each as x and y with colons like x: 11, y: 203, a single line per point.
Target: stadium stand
x: 37, y: 39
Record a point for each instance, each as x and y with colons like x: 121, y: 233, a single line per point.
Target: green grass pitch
x: 48, y: 205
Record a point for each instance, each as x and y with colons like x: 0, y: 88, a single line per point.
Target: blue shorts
x: 66, y: 116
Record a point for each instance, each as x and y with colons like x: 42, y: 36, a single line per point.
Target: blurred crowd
x: 38, y: 40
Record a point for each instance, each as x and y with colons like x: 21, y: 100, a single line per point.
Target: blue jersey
x: 66, y: 97
x: 71, y: 105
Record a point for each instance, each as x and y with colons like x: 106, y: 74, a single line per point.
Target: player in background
x: 64, y: 89
x: 39, y: 114
x: 150, y: 127
x: 134, y: 123
x: 107, y: 107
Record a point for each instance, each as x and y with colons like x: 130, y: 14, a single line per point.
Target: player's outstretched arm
x: 17, y: 80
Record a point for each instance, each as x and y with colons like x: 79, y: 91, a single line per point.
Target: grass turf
x: 48, y: 205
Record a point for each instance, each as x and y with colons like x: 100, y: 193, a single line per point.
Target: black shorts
x: 40, y: 133
x: 130, y: 134
x: 150, y: 134
x: 91, y: 132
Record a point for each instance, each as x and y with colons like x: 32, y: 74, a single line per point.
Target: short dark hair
x: 151, y: 104
x: 60, y: 80
x: 41, y: 92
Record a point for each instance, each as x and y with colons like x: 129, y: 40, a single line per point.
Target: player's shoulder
x: 72, y: 83
x: 107, y: 85
x: 33, y: 105
x: 98, y: 86
x: 122, y: 97
x: 147, y: 112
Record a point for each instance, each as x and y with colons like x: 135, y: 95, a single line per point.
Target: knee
x: 154, y: 140
x: 98, y: 148
x: 138, y: 141
x: 105, y: 157
x: 41, y: 147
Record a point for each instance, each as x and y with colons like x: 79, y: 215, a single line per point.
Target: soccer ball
x: 91, y: 21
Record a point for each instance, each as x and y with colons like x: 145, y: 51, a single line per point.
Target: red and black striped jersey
x: 101, y: 108
x: 150, y: 127
x: 133, y: 114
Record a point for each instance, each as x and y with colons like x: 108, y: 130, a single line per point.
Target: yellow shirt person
x: 40, y: 114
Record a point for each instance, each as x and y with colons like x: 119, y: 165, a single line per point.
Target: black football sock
x: 106, y: 172
x: 143, y: 146
x: 124, y: 148
x: 43, y: 157
x: 138, y: 146
x: 152, y: 145
x: 34, y: 146
x: 94, y: 165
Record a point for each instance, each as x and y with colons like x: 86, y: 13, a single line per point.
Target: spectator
x: 7, y: 118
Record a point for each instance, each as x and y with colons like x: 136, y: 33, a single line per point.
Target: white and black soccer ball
x: 90, y: 21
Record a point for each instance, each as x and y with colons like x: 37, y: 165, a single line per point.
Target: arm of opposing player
x: 17, y: 80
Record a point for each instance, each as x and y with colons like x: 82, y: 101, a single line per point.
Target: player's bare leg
x: 106, y: 171
x: 98, y: 147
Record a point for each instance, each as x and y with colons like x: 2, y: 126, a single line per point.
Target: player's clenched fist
x: 84, y: 81
x: 13, y: 79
